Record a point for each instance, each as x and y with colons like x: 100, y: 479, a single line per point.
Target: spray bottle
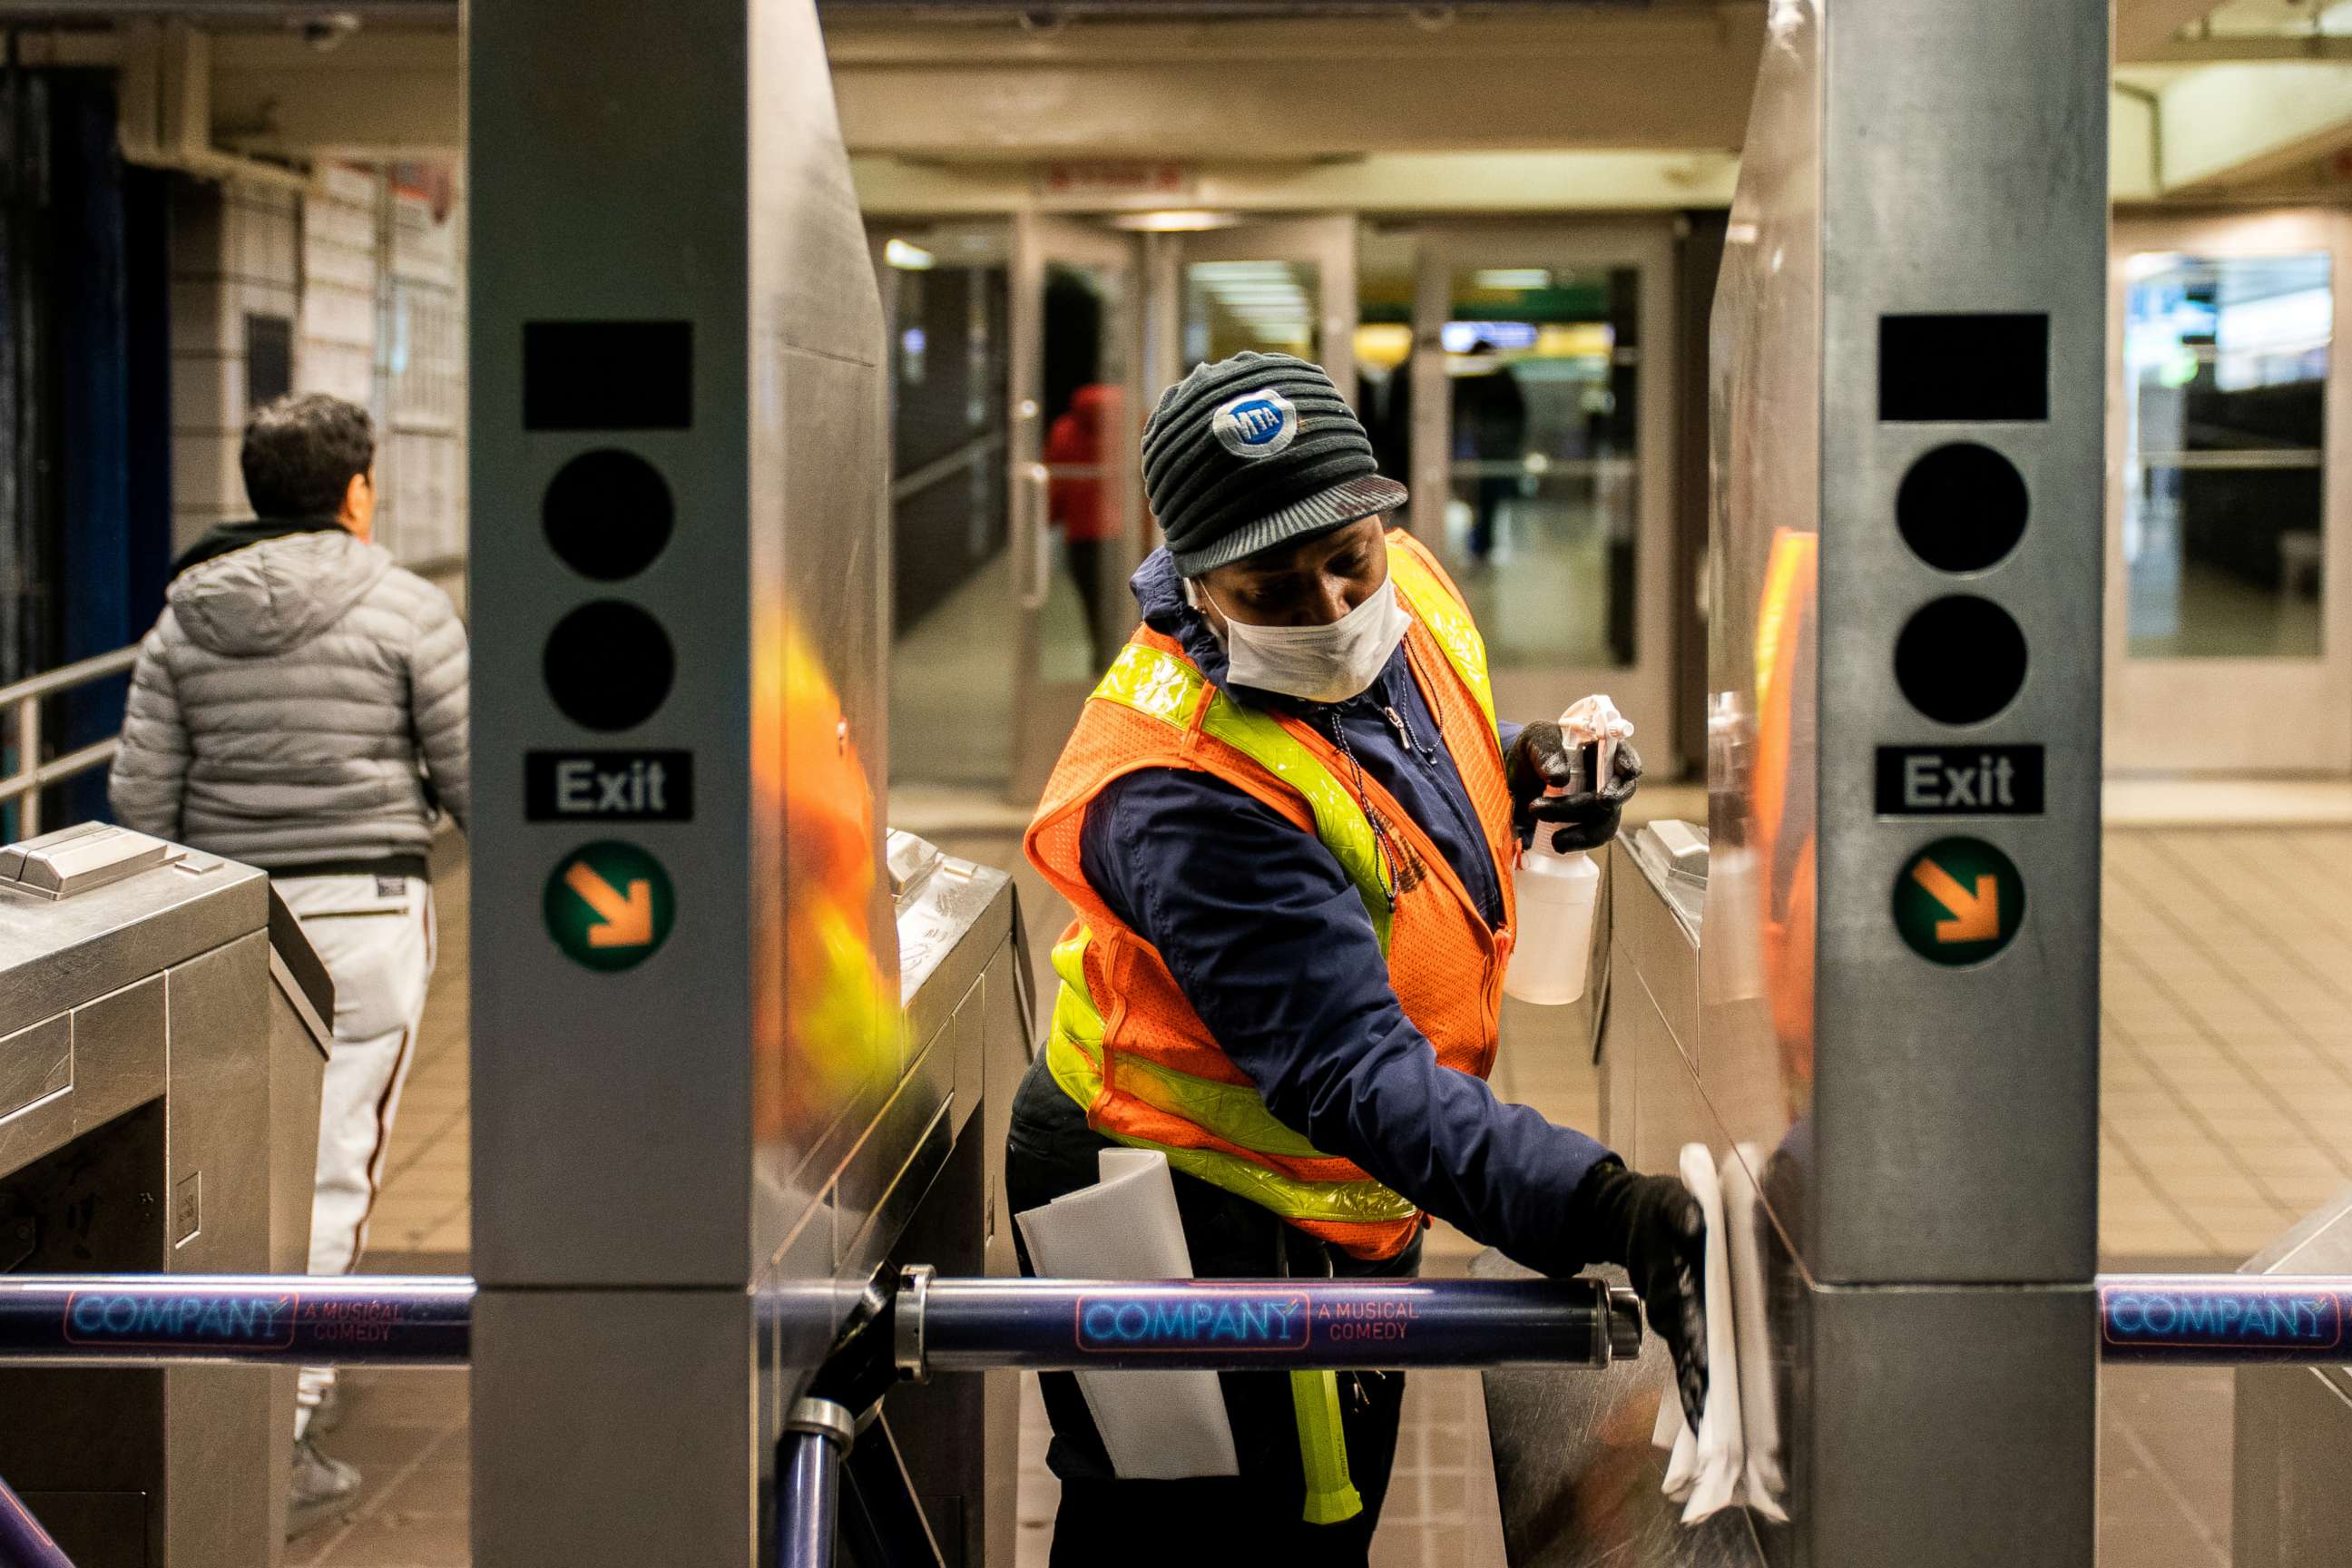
x: 1558, y: 890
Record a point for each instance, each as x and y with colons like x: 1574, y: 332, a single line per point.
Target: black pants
x: 1213, y: 1522
x: 1086, y: 560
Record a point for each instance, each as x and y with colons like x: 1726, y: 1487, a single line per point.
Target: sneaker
x: 332, y: 1406
x: 323, y: 1489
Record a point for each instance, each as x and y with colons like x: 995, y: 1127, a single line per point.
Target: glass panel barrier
x: 1268, y: 306
x: 2225, y: 367
x: 1541, y: 519
x: 952, y: 673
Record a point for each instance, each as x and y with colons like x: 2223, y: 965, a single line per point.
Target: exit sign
x: 1960, y: 781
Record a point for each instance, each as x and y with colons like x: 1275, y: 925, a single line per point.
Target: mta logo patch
x: 1255, y: 424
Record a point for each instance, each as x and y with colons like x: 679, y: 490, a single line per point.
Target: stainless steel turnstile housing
x: 162, y: 1038
x: 686, y: 1157
x: 2292, y: 1488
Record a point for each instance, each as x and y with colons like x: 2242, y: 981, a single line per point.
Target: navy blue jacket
x: 1270, y: 942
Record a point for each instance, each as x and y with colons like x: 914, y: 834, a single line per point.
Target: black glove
x: 1542, y: 759
x: 1654, y: 1227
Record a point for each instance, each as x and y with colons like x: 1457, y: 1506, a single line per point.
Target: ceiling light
x: 908, y: 257
x: 1189, y: 221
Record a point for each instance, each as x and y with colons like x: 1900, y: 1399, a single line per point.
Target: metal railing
x: 912, y: 1324
x: 31, y: 775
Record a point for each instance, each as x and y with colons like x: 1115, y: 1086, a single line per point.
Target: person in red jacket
x: 1078, y: 503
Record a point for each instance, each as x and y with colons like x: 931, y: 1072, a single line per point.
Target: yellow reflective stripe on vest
x: 1154, y: 682
x: 1331, y: 1494
x: 1075, y: 1013
x: 1079, y: 1072
x: 1171, y: 691
x: 1456, y: 634
x: 1339, y: 819
x: 1233, y: 1111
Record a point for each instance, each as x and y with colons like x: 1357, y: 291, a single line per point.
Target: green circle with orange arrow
x: 1958, y: 900
x: 609, y: 905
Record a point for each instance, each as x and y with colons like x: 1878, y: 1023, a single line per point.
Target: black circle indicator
x: 607, y: 513
x: 608, y: 665
x: 1960, y: 659
x: 1962, y: 507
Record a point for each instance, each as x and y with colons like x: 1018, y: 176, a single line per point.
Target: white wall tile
x: 202, y: 321
x: 344, y: 317
x: 343, y: 370
x: 345, y: 182
x: 338, y: 224
x: 205, y: 474
x: 208, y: 393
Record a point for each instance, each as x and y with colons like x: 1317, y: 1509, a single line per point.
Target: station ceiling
x: 1542, y: 105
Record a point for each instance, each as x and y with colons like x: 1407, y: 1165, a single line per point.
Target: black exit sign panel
x: 1960, y: 781
x: 608, y: 786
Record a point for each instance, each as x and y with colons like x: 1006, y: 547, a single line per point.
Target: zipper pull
x: 1411, y: 740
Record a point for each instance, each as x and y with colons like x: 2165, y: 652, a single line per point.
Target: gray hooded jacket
x: 294, y: 705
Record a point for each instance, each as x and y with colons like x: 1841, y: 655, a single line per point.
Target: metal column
x: 685, y: 967
x: 1951, y: 1206
x: 1899, y: 970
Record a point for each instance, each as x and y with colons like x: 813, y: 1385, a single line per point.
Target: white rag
x: 1744, y: 1221
x: 1705, y: 1469
x: 1155, y: 1426
x: 1733, y: 1456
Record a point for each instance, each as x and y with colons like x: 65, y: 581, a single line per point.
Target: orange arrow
x: 629, y: 922
x: 1977, y: 914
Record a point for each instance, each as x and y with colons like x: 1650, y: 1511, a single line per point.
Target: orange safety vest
x: 1127, y: 1045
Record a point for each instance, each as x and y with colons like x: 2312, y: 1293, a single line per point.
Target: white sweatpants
x: 376, y: 936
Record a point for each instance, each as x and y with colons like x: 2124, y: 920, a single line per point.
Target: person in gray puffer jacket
x: 283, y: 703
x: 301, y: 705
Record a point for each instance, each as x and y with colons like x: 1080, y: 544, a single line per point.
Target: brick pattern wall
x: 235, y: 256
x: 339, y: 219
x: 368, y: 271
x: 421, y: 379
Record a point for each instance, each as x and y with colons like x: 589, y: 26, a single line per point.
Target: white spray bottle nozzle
x: 1596, y: 719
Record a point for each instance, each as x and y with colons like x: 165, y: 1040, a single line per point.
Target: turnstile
x: 2292, y: 1491
x: 163, y: 1025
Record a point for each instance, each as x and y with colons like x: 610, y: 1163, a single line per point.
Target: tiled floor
x: 406, y: 1431
x: 2227, y: 1081
x: 2227, y: 1114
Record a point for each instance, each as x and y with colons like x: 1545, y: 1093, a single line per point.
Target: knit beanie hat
x: 1253, y: 451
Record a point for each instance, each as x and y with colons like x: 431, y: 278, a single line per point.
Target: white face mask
x: 1319, y: 663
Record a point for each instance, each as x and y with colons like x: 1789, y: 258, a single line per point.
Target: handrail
x: 32, y: 775
x: 916, y: 481
x: 66, y: 677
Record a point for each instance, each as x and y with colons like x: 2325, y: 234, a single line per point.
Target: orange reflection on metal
x: 832, y: 1030
x: 1787, y: 645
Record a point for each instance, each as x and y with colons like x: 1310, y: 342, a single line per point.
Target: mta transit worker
x: 301, y: 705
x: 1288, y: 820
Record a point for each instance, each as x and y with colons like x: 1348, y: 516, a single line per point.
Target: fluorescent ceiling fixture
x: 2282, y: 323
x: 1512, y: 278
x: 908, y: 257
x: 1188, y: 221
x: 1469, y: 337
